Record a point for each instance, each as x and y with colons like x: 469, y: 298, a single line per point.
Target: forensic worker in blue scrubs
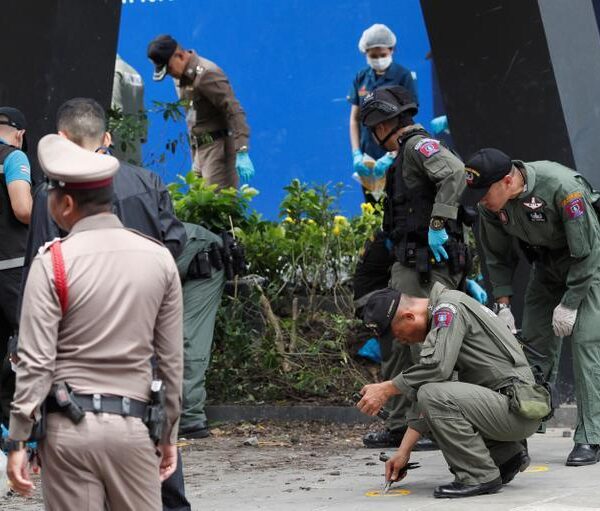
x: 377, y: 43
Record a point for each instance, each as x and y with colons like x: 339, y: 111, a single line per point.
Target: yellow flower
x: 367, y: 208
x: 340, y: 220
x: 336, y: 230
x: 288, y: 220
x: 310, y: 221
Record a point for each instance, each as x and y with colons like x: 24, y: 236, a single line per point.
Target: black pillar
x: 54, y: 50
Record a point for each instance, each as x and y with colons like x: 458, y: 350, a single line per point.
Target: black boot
x: 393, y: 438
x: 584, y: 454
x: 199, y: 430
x: 518, y: 463
x: 458, y: 490
x: 385, y: 438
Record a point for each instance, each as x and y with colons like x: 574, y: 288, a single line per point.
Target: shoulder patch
x: 443, y: 315
x: 573, y: 205
x: 46, y: 246
x: 428, y: 147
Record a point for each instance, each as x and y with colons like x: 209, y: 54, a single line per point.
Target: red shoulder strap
x: 60, y: 276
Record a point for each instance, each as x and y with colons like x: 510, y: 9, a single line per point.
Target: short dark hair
x: 90, y: 202
x: 82, y: 119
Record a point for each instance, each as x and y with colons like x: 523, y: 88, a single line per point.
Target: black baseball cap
x: 484, y: 168
x: 380, y: 310
x: 386, y: 103
x: 16, y: 119
x: 160, y: 50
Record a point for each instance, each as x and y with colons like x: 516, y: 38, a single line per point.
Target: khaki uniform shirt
x: 213, y: 102
x: 555, y: 214
x: 124, y: 305
x: 467, y: 338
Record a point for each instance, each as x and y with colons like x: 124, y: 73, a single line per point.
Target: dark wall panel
x: 496, y: 77
x: 54, y: 50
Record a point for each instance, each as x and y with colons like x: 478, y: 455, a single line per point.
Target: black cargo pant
x: 10, y: 288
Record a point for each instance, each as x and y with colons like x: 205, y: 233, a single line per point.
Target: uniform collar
x: 529, y: 177
x: 190, y: 71
x: 100, y: 221
x: 376, y: 77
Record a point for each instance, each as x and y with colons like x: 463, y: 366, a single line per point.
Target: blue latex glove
x: 436, y: 241
x: 476, y: 291
x: 382, y: 164
x: 389, y: 244
x: 371, y: 350
x: 439, y: 124
x: 359, y: 166
x: 244, y: 167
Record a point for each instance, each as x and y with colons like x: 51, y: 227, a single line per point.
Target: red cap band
x: 90, y: 185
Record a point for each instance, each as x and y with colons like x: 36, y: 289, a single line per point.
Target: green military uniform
x: 128, y: 98
x: 424, y: 161
x: 471, y: 419
x: 555, y: 219
x: 201, y: 299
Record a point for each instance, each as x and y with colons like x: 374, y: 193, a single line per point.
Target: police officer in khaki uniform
x: 549, y: 209
x: 216, y: 121
x: 96, y: 325
x: 421, y: 222
x: 478, y: 427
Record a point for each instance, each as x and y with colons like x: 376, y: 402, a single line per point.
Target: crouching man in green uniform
x: 549, y: 209
x: 480, y: 419
x: 203, y: 285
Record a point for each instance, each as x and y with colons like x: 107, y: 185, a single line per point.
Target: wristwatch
x: 14, y: 445
x: 437, y: 223
x: 497, y: 307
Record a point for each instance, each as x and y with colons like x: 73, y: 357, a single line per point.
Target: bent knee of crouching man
x: 435, y: 399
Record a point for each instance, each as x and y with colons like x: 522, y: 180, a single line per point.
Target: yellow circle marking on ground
x: 391, y: 493
x: 537, y: 468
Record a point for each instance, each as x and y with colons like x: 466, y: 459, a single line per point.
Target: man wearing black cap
x: 550, y: 210
x: 477, y: 425
x: 15, y: 212
x: 216, y: 121
x: 421, y: 221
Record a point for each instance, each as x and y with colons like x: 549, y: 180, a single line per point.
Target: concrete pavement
x: 277, y: 479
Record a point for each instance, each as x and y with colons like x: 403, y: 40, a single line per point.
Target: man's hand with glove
x: 563, y: 320
x: 244, y: 166
x: 476, y: 291
x: 506, y: 315
x: 359, y: 167
x: 436, y: 239
x: 382, y: 164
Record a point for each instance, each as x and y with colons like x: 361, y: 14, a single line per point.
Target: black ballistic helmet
x: 385, y: 103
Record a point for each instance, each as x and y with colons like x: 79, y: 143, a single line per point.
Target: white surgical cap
x: 376, y: 36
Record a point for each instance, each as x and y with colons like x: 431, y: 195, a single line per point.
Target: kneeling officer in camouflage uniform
x: 480, y: 420
x: 98, y: 306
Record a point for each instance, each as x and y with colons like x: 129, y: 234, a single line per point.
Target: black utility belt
x: 208, y: 137
x: 99, y: 403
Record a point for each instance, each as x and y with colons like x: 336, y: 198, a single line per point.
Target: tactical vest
x: 407, y: 214
x: 13, y: 232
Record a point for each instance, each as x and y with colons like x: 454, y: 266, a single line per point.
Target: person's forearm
x: 410, y: 438
x: 354, y: 133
